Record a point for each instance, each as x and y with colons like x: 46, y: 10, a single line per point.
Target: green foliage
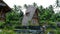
x: 7, y: 32
x: 58, y: 17
x: 14, y: 17
x: 57, y: 3
x: 45, y: 13
x: 51, y: 31
x: 25, y: 6
x: 34, y: 4
x: 1, y: 23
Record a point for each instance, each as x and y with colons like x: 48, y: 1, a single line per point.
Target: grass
x: 56, y: 31
x: 7, y: 32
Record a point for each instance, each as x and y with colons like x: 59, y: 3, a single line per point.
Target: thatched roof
x: 29, y: 14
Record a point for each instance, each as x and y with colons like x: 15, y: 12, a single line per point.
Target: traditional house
x: 30, y: 16
x: 4, y: 8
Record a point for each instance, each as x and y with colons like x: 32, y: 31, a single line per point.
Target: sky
x: 44, y: 3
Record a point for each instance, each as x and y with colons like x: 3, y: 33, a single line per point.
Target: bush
x: 1, y: 23
x: 7, y: 32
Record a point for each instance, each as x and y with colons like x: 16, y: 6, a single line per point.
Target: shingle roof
x: 4, y: 6
x: 31, y: 10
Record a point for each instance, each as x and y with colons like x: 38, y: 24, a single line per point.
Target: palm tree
x: 17, y: 8
x: 25, y: 6
x: 34, y: 4
x: 58, y: 3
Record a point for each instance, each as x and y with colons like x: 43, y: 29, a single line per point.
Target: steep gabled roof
x: 4, y: 6
x: 29, y: 14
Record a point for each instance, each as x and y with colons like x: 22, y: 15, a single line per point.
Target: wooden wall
x: 35, y: 18
x: 3, y: 10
